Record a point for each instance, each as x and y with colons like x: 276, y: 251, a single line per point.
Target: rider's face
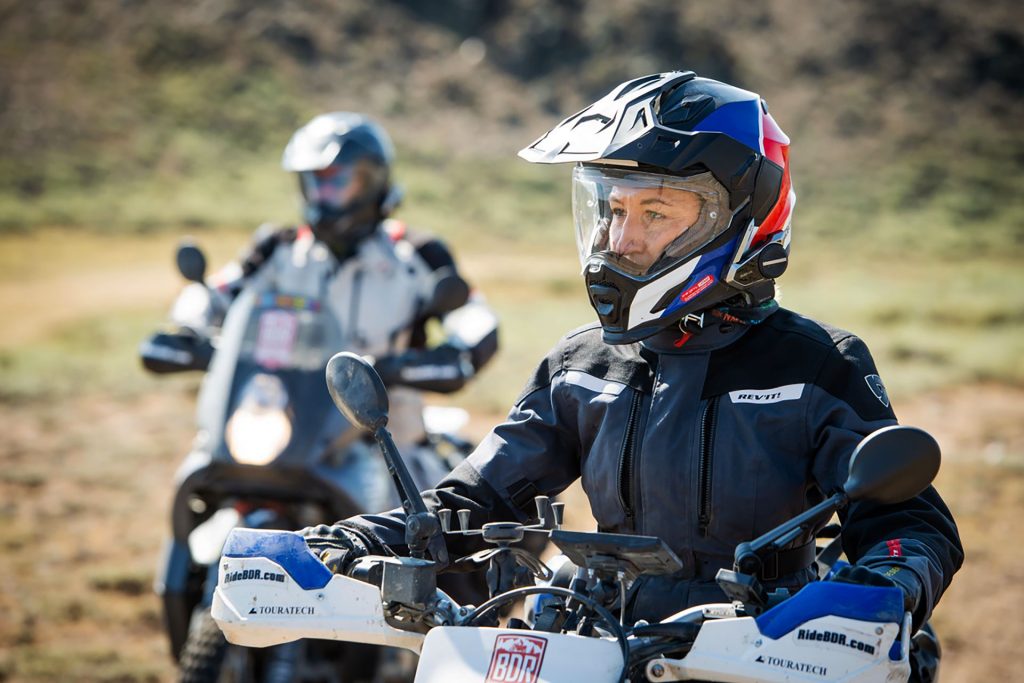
x: 645, y: 221
x: 335, y: 186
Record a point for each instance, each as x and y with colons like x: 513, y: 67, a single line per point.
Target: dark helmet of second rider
x: 681, y: 197
x: 343, y: 161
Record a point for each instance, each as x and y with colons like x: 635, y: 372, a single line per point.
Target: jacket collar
x: 711, y: 336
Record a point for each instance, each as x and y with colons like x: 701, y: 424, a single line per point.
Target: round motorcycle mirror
x: 358, y: 391
x: 892, y: 465
x: 191, y: 262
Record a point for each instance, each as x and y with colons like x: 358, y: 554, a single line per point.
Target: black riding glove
x: 390, y: 368
x: 888, y: 576
x: 336, y: 546
x: 166, y: 352
x: 442, y: 369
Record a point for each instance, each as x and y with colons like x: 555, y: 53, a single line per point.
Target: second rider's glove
x: 443, y: 369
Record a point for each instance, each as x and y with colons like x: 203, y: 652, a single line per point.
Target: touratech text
x: 289, y: 611
x: 803, y: 667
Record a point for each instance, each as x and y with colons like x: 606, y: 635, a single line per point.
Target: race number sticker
x: 516, y: 659
x: 276, y: 338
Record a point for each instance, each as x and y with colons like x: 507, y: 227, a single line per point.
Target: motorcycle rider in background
x: 696, y: 409
x: 380, y: 278
x: 351, y: 278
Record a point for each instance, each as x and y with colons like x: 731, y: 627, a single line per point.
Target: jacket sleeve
x: 534, y: 452
x: 917, y: 536
x: 470, y: 333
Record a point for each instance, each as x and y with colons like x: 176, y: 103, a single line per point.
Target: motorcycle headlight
x: 259, y: 430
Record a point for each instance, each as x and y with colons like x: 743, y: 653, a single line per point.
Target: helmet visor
x: 645, y: 222
x: 335, y: 187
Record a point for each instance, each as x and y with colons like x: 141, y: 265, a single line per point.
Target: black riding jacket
x: 705, y: 445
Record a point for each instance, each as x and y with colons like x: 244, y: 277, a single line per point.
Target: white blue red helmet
x: 666, y: 132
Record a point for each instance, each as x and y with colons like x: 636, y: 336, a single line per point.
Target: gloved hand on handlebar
x: 443, y: 369
x: 889, y: 576
x: 336, y: 545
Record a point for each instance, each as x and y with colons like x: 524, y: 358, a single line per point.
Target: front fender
x: 206, y: 541
x: 461, y: 653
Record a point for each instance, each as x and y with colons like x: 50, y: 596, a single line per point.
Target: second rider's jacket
x: 378, y: 296
x: 704, y: 445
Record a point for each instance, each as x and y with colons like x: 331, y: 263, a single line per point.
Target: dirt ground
x: 85, y: 485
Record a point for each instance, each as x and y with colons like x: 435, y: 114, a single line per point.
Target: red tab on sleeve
x: 395, y: 229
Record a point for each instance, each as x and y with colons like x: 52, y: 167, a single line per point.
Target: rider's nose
x: 629, y: 238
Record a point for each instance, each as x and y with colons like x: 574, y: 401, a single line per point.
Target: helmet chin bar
x: 343, y: 229
x: 749, y: 281
x: 614, y: 293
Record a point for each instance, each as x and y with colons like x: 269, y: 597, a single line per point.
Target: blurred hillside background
x: 127, y: 124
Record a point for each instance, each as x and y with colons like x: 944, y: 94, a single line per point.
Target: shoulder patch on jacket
x: 850, y: 374
x: 877, y: 388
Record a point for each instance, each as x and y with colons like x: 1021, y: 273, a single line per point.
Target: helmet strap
x: 692, y: 323
x: 746, y: 315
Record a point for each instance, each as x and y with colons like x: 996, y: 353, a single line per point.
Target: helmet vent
x: 606, y: 298
x: 601, y: 118
x: 686, y: 111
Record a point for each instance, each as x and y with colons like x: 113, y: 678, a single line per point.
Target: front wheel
x: 202, y: 656
x: 207, y: 657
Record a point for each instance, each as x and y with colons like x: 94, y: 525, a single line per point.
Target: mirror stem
x: 422, y: 529
x: 411, y: 501
x: 749, y: 556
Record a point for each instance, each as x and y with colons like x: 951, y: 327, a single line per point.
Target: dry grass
x: 86, y: 486
x: 52, y: 277
x: 86, y: 491
x: 86, y: 474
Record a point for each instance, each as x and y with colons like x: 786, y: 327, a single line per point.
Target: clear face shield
x: 342, y: 202
x: 642, y: 222
x: 335, y: 188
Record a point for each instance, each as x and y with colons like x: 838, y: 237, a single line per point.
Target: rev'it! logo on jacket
x: 790, y: 392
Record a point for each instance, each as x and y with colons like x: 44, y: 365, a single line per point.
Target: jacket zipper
x: 707, y: 439
x: 357, y: 281
x: 626, y: 460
